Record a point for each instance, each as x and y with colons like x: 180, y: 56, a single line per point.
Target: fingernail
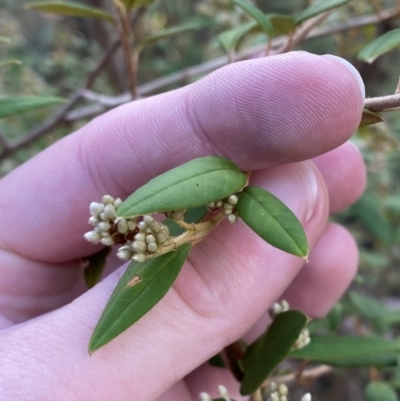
x: 307, y: 172
x: 350, y: 67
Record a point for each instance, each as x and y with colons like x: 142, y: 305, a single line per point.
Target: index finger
x: 258, y: 113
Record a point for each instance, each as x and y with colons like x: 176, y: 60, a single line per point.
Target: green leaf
x: 193, y: 184
x: 319, y: 8
x: 367, y: 211
x: 272, y: 220
x: 16, y: 105
x: 380, y: 391
x: 230, y: 39
x: 370, y: 117
x: 97, y: 263
x: 270, y: 349
x: 132, y: 4
x: 254, y: 12
x: 334, y: 317
x: 345, y: 351
x: 141, y: 287
x: 379, y: 46
x: 173, y: 30
x: 367, y: 307
x: 5, y: 39
x: 4, y: 63
x: 217, y: 361
x: 282, y: 24
x: 72, y: 9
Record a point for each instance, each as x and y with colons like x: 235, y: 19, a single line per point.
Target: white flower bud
x: 107, y: 199
x: 232, y: 218
x: 92, y: 236
x: 150, y: 238
x: 98, y: 230
x: 283, y: 389
x: 139, y: 257
x: 285, y: 305
x: 131, y: 225
x: 283, y: 398
x: 124, y: 254
x: 219, y: 203
x: 233, y: 200
x: 152, y: 247
x: 274, y: 396
x: 273, y: 386
x: 104, y: 225
x: 178, y: 214
x: 109, y: 212
x: 228, y: 212
x: 94, y: 221
x: 162, y: 236
x: 122, y: 226
x: 228, y: 206
x: 211, y: 205
x: 205, y: 397
x: 306, y: 397
x: 139, y: 246
x: 148, y: 219
x: 108, y: 241
x: 117, y: 203
x: 140, y: 237
x: 155, y: 226
x: 224, y: 392
x: 142, y: 226
x: 96, y: 208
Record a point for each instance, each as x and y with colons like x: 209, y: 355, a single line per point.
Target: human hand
x: 270, y: 115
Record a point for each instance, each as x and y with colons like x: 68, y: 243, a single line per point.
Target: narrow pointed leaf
x: 193, y: 184
x: 272, y: 220
x: 5, y: 63
x: 270, y: 349
x: 281, y: 23
x: 346, y: 351
x: 230, y: 39
x: 370, y: 117
x: 380, y: 391
x: 16, y: 105
x: 70, y: 8
x: 319, y: 7
x: 173, y: 30
x: 257, y: 15
x: 141, y: 287
x: 132, y: 4
x: 97, y: 263
x: 380, y: 45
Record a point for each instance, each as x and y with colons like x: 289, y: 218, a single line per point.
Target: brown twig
x: 307, y: 374
x: 230, y: 355
x: 383, y: 103
x: 125, y: 36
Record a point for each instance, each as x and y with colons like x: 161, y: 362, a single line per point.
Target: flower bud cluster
x: 229, y: 206
x: 222, y: 391
x: 280, y: 393
x: 150, y: 236
x: 140, y: 236
x: 278, y: 308
x: 303, y: 340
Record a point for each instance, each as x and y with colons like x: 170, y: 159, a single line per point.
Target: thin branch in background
x: 125, y: 36
x: 59, y: 117
x: 103, y: 103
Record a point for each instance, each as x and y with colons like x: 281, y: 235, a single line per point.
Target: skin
x: 288, y: 117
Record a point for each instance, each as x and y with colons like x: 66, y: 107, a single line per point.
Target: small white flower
x: 139, y: 257
x: 108, y: 199
x: 142, y: 226
x: 150, y: 238
x: 92, y: 236
x: 232, y: 218
x: 162, y: 236
x: 109, y: 212
x: 306, y: 397
x: 233, y: 200
x: 96, y: 208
